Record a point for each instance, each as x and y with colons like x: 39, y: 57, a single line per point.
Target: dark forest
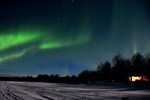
x: 118, y: 71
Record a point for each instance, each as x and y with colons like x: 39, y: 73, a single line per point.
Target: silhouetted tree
x: 105, y: 70
x: 127, y: 68
x: 84, y: 76
x: 99, y: 72
x: 137, y: 64
x: 118, y: 69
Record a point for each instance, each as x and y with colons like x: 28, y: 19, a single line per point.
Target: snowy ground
x: 51, y: 91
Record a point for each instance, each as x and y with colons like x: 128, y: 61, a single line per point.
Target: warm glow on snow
x: 138, y: 78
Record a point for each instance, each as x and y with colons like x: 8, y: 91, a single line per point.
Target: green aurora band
x: 43, y: 40
x: 13, y: 56
x: 47, y: 41
x: 13, y: 39
x: 82, y: 39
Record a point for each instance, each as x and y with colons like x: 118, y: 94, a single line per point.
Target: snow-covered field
x: 52, y: 91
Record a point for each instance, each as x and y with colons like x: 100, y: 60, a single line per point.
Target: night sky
x: 69, y: 36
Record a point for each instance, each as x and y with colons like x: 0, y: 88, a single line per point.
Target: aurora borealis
x: 68, y: 36
x: 14, y: 39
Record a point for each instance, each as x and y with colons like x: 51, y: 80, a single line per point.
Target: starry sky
x: 69, y: 36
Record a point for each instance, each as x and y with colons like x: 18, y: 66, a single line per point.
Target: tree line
x: 118, y: 70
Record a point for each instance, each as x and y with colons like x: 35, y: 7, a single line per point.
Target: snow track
x: 51, y: 91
